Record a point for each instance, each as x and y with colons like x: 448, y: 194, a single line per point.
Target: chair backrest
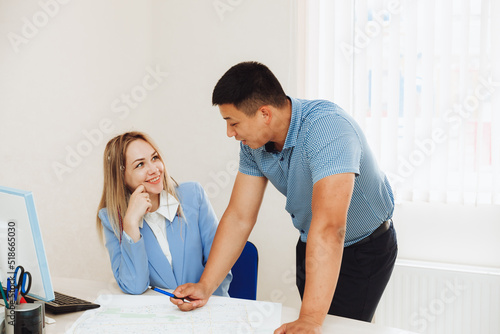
x: 244, y: 283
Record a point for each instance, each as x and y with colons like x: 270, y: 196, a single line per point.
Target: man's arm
x: 325, y: 245
x: 232, y: 233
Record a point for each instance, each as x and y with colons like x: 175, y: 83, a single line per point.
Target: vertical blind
x: 423, y: 80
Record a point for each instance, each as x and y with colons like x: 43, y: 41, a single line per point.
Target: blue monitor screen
x: 21, y: 242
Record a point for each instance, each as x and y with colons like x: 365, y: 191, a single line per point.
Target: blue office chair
x: 244, y: 283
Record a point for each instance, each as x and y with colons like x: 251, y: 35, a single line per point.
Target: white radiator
x: 435, y: 298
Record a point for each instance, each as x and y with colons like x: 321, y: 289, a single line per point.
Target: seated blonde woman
x: 157, y: 232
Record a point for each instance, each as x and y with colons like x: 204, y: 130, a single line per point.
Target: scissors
x: 20, y: 282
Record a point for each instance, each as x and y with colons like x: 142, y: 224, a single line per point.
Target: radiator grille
x: 439, y: 298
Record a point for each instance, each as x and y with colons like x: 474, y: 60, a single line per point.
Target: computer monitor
x: 23, y: 245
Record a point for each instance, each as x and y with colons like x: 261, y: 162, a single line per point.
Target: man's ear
x: 267, y: 113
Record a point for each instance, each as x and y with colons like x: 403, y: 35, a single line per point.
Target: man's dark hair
x: 248, y: 86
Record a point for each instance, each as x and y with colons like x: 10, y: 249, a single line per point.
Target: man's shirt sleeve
x: 332, y: 147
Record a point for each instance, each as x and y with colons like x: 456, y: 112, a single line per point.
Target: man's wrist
x: 209, y: 286
x: 313, y: 317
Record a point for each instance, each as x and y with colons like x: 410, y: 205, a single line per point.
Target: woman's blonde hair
x: 115, y: 195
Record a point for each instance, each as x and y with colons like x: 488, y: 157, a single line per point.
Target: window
x: 423, y: 80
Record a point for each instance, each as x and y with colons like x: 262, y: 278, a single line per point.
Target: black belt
x: 377, y: 233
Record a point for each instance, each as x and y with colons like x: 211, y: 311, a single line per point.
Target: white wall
x: 59, y: 76
x: 69, y: 81
x: 64, y: 78
x: 449, y: 233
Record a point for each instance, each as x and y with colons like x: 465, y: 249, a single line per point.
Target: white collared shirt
x: 156, y: 221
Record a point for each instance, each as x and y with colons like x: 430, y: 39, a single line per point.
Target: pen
x: 168, y: 294
x: 3, y: 295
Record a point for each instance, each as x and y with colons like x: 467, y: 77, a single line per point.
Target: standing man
x: 315, y: 154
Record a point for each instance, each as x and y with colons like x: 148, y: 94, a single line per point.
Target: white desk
x: 89, y: 290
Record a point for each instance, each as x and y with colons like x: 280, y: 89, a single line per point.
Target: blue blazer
x: 140, y: 264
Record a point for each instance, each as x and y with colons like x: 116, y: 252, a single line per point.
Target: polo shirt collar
x: 293, y: 128
x: 295, y: 121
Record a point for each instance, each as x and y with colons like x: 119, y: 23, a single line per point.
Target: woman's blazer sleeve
x: 129, y: 260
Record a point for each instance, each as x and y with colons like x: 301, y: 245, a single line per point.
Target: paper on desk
x: 155, y: 314
x: 49, y: 321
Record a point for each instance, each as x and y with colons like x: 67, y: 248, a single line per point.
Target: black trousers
x: 364, y: 273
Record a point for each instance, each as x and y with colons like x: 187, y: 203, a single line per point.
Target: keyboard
x: 64, y: 304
